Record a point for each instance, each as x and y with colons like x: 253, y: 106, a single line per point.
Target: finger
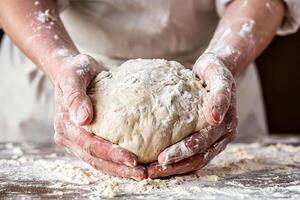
x: 99, y: 147
x: 196, y: 162
x: 219, y: 80
x: 92, y: 144
x: 200, y: 141
x: 220, y: 84
x: 77, y: 101
x: 196, y: 143
x: 73, y: 84
x: 111, y: 168
x: 71, y: 94
x: 156, y: 170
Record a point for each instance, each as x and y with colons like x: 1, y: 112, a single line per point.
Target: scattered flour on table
x: 68, y: 172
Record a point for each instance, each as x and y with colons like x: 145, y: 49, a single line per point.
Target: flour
x: 80, y: 61
x: 231, y: 168
x: 44, y: 17
x: 247, y: 28
x: 221, y: 77
x: 180, y: 150
x: 84, y: 60
x: 111, y: 190
x: 17, y: 151
x: 62, y: 53
x: 229, y: 39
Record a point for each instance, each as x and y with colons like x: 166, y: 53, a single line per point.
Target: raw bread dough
x: 146, y: 105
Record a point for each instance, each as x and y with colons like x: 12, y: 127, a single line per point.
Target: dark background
x: 279, y: 69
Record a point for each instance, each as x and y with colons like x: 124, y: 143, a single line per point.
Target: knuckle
x: 86, y: 66
x: 91, y: 161
x: 71, y: 96
x: 88, y: 147
x: 72, y: 89
x: 87, y: 143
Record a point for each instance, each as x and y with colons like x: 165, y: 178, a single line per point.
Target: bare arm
x: 35, y: 27
x: 245, y: 29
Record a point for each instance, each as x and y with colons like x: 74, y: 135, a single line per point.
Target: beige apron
x: 113, y: 31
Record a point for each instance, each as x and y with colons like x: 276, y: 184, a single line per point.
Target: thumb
x: 73, y: 79
x: 77, y: 101
x: 219, y: 80
x: 80, y: 108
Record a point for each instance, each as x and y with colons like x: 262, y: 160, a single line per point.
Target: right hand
x: 73, y: 109
x: 195, y: 151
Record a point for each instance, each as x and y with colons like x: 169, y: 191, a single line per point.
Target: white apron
x: 113, y: 31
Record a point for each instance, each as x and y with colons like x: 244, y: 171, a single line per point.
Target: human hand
x: 73, y: 109
x: 195, y: 151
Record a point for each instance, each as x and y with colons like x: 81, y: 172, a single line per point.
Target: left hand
x: 74, y: 109
x: 195, y: 151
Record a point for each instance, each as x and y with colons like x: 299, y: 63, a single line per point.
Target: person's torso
x: 116, y: 29
x: 124, y: 29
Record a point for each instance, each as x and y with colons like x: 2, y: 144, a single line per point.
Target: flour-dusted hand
x: 71, y: 81
x: 36, y: 28
x: 195, y: 151
x: 220, y: 83
x: 74, y: 109
x: 243, y: 32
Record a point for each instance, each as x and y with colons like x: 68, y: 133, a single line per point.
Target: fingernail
x: 219, y: 110
x: 216, y: 115
x: 130, y: 164
x: 82, y: 114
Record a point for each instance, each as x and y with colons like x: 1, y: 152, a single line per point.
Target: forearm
x: 35, y: 27
x: 244, y: 31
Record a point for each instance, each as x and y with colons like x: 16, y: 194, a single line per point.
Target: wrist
x: 74, y: 65
x: 58, y: 62
x: 210, y: 58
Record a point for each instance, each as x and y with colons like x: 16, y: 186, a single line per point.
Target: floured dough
x: 146, y: 105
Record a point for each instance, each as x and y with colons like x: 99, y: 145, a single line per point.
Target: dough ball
x: 146, y: 105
